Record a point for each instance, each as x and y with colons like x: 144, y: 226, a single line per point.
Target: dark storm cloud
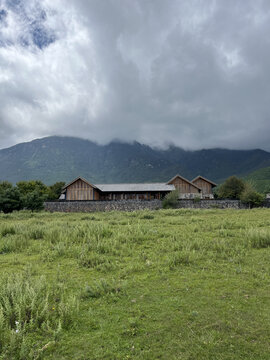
x: 192, y: 73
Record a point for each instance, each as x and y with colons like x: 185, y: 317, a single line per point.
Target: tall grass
x: 162, y: 284
x: 29, y: 308
x: 259, y: 238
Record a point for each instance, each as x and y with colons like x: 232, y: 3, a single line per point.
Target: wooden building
x: 82, y: 190
x: 134, y: 191
x: 206, y: 186
x: 186, y: 189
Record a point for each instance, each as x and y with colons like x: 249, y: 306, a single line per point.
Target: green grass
x: 168, y: 284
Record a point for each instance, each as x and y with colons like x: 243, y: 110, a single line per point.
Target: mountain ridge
x: 59, y: 158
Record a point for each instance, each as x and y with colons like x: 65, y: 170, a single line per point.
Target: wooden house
x: 186, y: 189
x: 206, y: 186
x: 82, y: 190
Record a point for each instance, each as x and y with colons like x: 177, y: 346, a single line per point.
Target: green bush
x: 34, y: 201
x: 170, y: 201
x: 250, y: 197
x: 232, y: 188
x: 10, y: 199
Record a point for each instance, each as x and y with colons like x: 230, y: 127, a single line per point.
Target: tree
x: 26, y: 187
x: 34, y: 201
x: 251, y: 197
x: 170, y: 201
x: 5, y: 185
x: 10, y: 199
x: 232, y: 188
x: 55, y: 190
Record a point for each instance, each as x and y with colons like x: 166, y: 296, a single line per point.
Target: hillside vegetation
x: 167, y: 284
x: 260, y: 179
x: 54, y: 159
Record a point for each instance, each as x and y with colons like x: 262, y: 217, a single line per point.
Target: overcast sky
x: 194, y: 73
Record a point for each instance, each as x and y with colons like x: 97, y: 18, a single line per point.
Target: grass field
x: 167, y: 284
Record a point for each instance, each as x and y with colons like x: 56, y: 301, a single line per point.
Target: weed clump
x: 180, y: 258
x: 8, y: 230
x: 147, y: 216
x: 101, y: 288
x: 259, y: 239
x: 37, y: 234
x: 90, y: 260
x: 31, y: 307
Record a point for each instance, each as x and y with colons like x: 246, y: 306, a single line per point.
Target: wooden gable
x: 205, y: 184
x: 80, y: 189
x: 183, y: 185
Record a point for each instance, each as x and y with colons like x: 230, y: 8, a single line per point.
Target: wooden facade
x: 151, y: 195
x: 184, y: 186
x: 81, y: 190
x: 206, y: 186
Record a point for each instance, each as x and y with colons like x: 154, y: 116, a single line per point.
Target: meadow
x: 166, y: 284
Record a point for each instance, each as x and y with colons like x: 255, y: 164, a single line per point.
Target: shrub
x: 250, y: 197
x: 170, y: 201
x: 10, y: 199
x: 232, y: 188
x: 34, y: 201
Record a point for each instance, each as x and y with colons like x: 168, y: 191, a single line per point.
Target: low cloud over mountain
x: 191, y: 73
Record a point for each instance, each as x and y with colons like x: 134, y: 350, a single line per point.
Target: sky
x: 193, y: 73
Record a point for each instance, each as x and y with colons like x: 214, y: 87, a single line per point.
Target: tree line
x: 31, y: 195
x: 28, y: 195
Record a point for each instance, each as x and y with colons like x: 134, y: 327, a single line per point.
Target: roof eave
x: 203, y: 178
x: 181, y: 177
x: 79, y: 178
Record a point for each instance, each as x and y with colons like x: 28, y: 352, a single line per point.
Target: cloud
x: 191, y: 73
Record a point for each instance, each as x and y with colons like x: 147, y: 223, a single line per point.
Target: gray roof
x: 135, y: 187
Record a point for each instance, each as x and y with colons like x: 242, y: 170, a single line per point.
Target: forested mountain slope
x: 57, y: 158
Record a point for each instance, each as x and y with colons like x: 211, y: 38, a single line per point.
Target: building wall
x: 204, y: 185
x: 133, y: 196
x: 184, y: 187
x: 80, y: 190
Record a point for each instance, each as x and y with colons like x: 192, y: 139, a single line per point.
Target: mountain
x: 57, y: 158
x: 260, y: 179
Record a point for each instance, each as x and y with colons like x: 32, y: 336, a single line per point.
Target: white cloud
x: 191, y: 73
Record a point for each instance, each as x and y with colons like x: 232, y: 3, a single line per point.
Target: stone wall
x: 133, y: 205
x: 92, y: 206
x: 211, y: 204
